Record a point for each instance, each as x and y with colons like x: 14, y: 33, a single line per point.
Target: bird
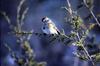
x: 49, y: 26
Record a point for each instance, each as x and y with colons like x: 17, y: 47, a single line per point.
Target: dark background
x: 55, y: 54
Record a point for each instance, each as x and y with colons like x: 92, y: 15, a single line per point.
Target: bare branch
x: 19, y: 9
x: 7, y: 19
x: 88, y: 55
x: 69, y: 8
x: 18, y: 15
x: 23, y: 15
x: 92, y: 13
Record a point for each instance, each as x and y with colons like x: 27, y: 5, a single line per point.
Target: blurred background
x: 55, y: 54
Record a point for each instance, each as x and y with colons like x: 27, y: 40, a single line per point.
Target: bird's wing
x: 54, y: 26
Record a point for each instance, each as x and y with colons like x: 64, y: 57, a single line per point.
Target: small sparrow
x: 49, y: 27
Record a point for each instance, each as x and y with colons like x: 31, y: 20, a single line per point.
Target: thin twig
x: 23, y: 15
x: 7, y: 19
x: 95, y: 18
x: 92, y: 13
x: 85, y: 50
x: 19, y: 9
x: 18, y: 14
x: 69, y: 8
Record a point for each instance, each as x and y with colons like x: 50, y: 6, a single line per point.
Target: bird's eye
x: 43, y: 27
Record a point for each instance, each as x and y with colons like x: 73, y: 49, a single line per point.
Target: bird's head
x: 46, y: 19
